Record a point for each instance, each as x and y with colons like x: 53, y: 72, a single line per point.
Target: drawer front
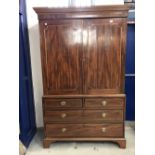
x: 62, y: 103
x: 63, y: 116
x: 84, y: 130
x: 86, y: 116
x: 104, y: 103
x: 96, y: 116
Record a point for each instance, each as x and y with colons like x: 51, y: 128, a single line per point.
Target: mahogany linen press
x: 83, y: 70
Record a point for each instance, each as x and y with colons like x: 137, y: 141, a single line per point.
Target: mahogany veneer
x: 83, y: 66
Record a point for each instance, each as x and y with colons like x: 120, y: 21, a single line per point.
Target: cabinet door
x: 26, y: 101
x: 61, y: 53
x: 104, y: 49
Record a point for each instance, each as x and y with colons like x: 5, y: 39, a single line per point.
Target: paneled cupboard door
x: 83, y: 56
x: 61, y: 56
x: 104, y: 52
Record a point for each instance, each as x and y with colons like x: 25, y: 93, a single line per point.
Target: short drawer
x: 104, y: 103
x: 100, y: 116
x: 84, y: 130
x: 62, y: 103
x: 63, y: 116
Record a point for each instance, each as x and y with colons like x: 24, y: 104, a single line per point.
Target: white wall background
x: 33, y: 29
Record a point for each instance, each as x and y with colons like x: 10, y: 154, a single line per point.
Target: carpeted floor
x: 83, y: 148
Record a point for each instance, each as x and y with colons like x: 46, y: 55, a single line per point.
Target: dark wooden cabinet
x: 83, y: 57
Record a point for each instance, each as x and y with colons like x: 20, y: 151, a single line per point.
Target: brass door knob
x: 63, y: 103
x: 103, y: 129
x: 63, y: 129
x: 103, y: 115
x: 104, y: 103
x: 63, y: 115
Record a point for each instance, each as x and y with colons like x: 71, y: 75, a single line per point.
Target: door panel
x: 63, y: 41
x: 103, y: 55
x: 130, y: 50
x: 26, y: 102
x: 130, y: 98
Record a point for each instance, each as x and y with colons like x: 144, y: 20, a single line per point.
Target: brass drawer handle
x: 104, y: 115
x: 63, y: 130
x: 103, y: 129
x: 104, y: 103
x: 63, y: 115
x: 63, y: 103
x: 111, y: 21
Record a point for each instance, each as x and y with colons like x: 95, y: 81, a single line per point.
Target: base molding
x: 120, y: 141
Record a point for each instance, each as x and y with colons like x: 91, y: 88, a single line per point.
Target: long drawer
x: 104, y: 103
x: 62, y: 103
x: 83, y: 116
x: 84, y: 130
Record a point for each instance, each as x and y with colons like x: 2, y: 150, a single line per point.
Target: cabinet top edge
x: 40, y: 10
x: 84, y: 96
